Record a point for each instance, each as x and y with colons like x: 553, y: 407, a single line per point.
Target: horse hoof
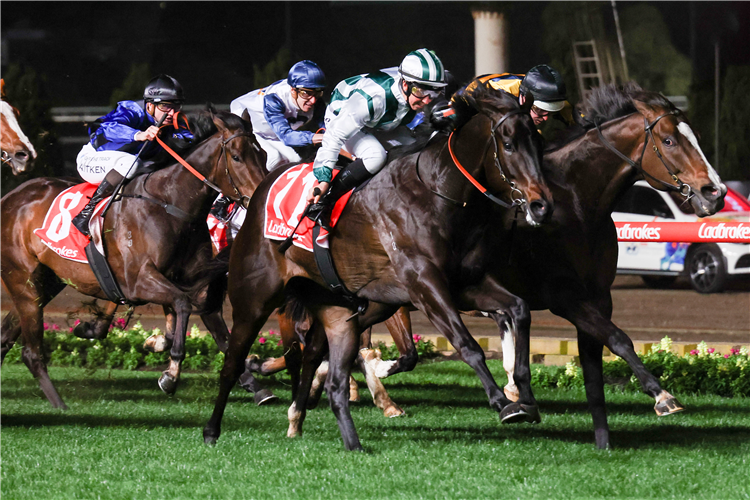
x: 264, y: 396
x: 668, y: 407
x: 83, y: 331
x: 155, y: 343
x: 513, y: 413
x: 168, y: 384
x: 210, y: 440
x: 534, y: 417
x: 393, y: 411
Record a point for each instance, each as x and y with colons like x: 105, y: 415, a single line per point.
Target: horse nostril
x: 539, y: 209
x: 22, y: 156
x: 710, y: 192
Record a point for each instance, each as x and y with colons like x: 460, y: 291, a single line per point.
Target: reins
x: 241, y: 199
x: 681, y: 187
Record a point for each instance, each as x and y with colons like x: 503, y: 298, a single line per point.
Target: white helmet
x: 424, y: 67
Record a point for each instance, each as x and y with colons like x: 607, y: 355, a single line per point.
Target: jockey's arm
x: 273, y: 110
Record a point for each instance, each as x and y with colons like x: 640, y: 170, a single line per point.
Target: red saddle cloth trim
x: 286, y: 202
x: 58, y: 233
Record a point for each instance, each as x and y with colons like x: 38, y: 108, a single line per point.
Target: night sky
x: 85, y: 49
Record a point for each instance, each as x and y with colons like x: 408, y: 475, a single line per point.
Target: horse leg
x: 29, y: 298
x: 250, y: 310
x: 100, y: 328
x: 342, y: 344
x: 170, y: 376
x: 11, y: 329
x: 312, y: 364
x: 590, y: 354
x: 399, y: 326
x: 508, y: 345
x: 162, y: 342
x: 595, y: 322
x: 218, y: 328
x: 380, y: 396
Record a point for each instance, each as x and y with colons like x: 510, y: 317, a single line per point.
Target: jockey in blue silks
x: 279, y: 111
x: 112, y: 154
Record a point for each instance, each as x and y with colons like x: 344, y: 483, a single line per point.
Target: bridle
x: 517, y: 198
x: 240, y: 198
x: 682, y: 188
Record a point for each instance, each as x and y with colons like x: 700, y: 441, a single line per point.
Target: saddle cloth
x: 286, y: 203
x: 58, y: 233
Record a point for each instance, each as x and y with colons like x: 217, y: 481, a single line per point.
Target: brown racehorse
x: 17, y: 150
x: 568, y: 265
x: 154, y: 255
x: 400, y: 241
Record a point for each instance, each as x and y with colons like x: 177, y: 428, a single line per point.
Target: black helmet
x: 547, y: 87
x: 163, y: 88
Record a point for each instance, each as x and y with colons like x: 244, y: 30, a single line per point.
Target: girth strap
x: 104, y: 276
x: 324, y: 260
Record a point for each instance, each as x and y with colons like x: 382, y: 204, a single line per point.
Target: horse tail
x: 210, y: 288
x: 294, y: 308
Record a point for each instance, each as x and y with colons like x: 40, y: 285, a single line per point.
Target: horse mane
x: 201, y: 122
x: 482, y: 99
x: 605, y: 103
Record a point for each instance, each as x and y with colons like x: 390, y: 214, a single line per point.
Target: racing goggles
x: 422, y: 92
x: 166, y: 106
x: 309, y: 93
x: 540, y: 112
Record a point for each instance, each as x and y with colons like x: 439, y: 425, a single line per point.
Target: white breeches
x: 277, y: 153
x: 93, y: 165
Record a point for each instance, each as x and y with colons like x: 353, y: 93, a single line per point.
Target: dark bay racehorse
x: 17, y: 150
x: 400, y: 241
x: 152, y: 253
x: 569, y: 264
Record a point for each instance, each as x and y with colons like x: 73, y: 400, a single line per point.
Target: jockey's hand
x: 314, y: 196
x: 147, y: 135
x: 317, y: 138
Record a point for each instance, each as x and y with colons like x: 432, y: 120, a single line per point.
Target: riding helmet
x: 163, y: 88
x: 306, y: 74
x: 547, y: 87
x: 423, y: 66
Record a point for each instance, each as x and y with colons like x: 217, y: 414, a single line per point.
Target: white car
x: 708, y: 266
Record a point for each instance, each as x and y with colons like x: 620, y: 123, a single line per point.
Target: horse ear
x: 246, y: 116
x: 2, y: 88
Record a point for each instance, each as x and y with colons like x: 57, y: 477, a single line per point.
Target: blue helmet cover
x: 306, y: 74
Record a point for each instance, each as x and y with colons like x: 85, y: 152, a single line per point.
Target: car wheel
x: 658, y: 281
x: 707, y: 269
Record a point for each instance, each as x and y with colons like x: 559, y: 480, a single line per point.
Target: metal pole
x: 716, y: 106
x: 619, y: 40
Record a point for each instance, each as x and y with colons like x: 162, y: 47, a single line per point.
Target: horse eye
x: 235, y: 158
x: 508, y: 147
x: 669, y: 142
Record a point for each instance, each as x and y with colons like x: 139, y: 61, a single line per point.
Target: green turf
x: 122, y: 438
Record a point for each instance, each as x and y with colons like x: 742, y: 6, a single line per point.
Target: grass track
x: 123, y: 439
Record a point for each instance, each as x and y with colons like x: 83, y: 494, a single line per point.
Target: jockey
x: 384, y: 100
x: 112, y: 154
x: 542, y: 82
x: 281, y: 109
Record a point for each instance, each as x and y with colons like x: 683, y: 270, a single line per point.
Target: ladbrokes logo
x: 644, y: 232
x: 722, y: 231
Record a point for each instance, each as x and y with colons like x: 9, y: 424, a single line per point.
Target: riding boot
x: 220, y: 208
x: 105, y: 188
x: 350, y: 177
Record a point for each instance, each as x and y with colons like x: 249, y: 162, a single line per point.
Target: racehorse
x: 17, y: 150
x: 154, y: 237
x: 569, y: 264
x: 399, y: 241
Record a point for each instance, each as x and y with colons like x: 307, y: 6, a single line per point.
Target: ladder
x: 588, y: 67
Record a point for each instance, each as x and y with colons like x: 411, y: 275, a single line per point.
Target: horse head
x: 240, y: 164
x: 17, y: 150
x: 673, y: 159
x: 512, y: 156
x: 663, y: 147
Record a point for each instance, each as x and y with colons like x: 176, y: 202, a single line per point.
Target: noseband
x: 515, y: 201
x: 682, y: 188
